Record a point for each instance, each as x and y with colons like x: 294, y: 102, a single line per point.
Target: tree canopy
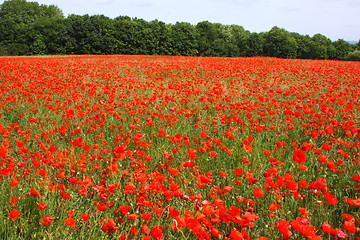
x: 29, y: 28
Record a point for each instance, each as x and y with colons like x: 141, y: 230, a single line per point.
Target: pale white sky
x: 333, y: 18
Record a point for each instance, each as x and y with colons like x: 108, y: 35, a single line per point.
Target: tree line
x: 30, y: 28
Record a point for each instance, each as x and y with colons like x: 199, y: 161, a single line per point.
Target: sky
x: 336, y: 19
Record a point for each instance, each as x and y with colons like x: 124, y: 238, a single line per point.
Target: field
x: 163, y: 147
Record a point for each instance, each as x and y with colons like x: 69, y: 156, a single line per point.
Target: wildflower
x: 85, y: 217
x: 235, y: 235
x: 14, y: 214
x: 71, y: 222
x: 247, y: 147
x: 101, y: 207
x: 34, y: 192
x: 350, y: 227
x: 145, y: 229
x: 46, y: 220
x: 238, y: 172
x: 258, y: 192
x: 213, y: 154
x: 133, y: 217
x: 283, y: 227
x: 274, y: 207
x: 267, y: 152
x: 299, y: 156
x: 42, y: 206
x: 109, y: 227
x: 330, y: 199
x: 157, y: 232
x: 146, y: 216
x: 192, y: 153
x: 13, y: 200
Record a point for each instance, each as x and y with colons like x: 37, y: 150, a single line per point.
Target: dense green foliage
x: 28, y: 28
x: 353, y: 56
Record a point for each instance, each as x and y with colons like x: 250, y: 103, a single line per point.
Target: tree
x: 102, y: 35
x: 320, y: 48
x: 124, y: 34
x: 357, y: 46
x: 91, y: 34
x: 33, y: 28
x: 159, y: 38
x: 17, y: 21
x: 342, y: 48
x: 237, y: 39
x: 220, y: 43
x: 353, y: 56
x: 303, y: 45
x: 183, y: 39
x: 254, y: 45
x: 54, y: 34
x: 207, y: 34
x: 134, y: 36
x: 279, y: 43
x: 230, y: 41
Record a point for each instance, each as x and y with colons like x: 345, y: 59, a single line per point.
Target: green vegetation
x: 353, y: 56
x: 29, y: 28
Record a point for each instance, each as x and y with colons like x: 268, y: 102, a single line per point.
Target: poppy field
x: 165, y: 147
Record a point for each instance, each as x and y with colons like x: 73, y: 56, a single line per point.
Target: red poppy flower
x: 348, y: 217
x: 14, y: 214
x: 157, y: 232
x: 174, y: 213
x: 258, y: 192
x: 42, y: 206
x: 145, y: 229
x: 299, y: 156
x: 109, y: 227
x: 235, y: 235
x: 46, y: 220
x: 213, y: 154
x: 71, y: 222
x: 192, y: 153
x: 247, y: 147
x: 124, y: 209
x: 133, y: 217
x: 274, y: 207
x: 65, y: 195
x: 238, y: 172
x: 134, y: 230
x: 215, y: 232
x: 326, y: 146
x: 173, y: 171
x: 3, y: 152
x: 267, y: 152
x: 302, y: 168
x: 85, y: 217
x: 14, y: 200
x: 189, y: 164
x: 303, y: 211
x: 291, y: 185
x: 331, y: 199
x: 223, y: 174
x: 283, y: 226
x: 102, y: 207
x: 34, y: 192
